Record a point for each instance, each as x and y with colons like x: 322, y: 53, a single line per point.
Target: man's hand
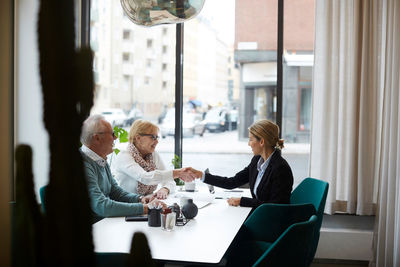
x: 234, y: 201
x: 156, y: 203
x: 185, y: 174
x: 148, y: 198
x: 153, y: 204
x: 162, y: 193
x: 198, y: 174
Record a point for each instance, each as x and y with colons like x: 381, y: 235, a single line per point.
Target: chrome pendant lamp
x: 155, y: 12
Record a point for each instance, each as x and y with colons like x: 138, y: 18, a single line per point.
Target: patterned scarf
x: 147, y: 163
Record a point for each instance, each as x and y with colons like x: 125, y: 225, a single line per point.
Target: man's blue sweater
x: 106, y: 197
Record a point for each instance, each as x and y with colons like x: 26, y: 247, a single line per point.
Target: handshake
x: 187, y: 174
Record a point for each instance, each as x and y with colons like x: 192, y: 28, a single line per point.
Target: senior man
x: 106, y: 197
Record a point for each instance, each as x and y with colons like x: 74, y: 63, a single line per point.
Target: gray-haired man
x: 106, y: 197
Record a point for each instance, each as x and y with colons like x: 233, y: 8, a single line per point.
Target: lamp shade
x: 155, y: 12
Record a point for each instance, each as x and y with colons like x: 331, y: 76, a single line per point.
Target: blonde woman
x: 139, y: 169
x: 268, y: 174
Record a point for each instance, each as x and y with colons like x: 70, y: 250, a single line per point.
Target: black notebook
x: 137, y: 218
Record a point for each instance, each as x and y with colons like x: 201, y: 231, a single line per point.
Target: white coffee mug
x: 190, y: 186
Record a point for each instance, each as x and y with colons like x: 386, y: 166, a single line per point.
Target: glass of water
x: 168, y: 221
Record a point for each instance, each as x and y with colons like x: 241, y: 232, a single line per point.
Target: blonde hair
x: 267, y: 130
x: 141, y: 127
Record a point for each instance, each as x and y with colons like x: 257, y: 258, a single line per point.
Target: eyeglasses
x: 112, y: 133
x: 153, y: 136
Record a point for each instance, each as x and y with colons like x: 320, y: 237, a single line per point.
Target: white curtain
x: 387, y: 232
x: 345, y: 123
x: 356, y: 114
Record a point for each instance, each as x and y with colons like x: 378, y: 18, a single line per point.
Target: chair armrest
x: 292, y: 248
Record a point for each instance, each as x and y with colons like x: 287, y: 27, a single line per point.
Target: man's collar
x: 94, y: 156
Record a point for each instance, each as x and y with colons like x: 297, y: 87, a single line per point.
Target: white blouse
x: 128, y: 173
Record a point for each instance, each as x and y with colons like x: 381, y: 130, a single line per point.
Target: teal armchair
x: 262, y: 229
x: 270, y: 221
x: 292, y: 247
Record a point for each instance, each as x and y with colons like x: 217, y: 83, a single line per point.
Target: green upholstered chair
x: 292, y: 247
x: 262, y: 229
x: 312, y: 191
x: 269, y: 221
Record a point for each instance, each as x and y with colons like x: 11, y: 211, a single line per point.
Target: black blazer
x: 275, y: 186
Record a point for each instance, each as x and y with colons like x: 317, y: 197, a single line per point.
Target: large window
x: 229, y: 78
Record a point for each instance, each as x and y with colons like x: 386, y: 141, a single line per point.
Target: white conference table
x: 203, y: 239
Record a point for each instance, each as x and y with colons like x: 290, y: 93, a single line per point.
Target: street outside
x: 225, y: 155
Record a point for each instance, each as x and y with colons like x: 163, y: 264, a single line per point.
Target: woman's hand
x: 185, y: 174
x: 234, y: 201
x: 162, y: 193
x: 197, y: 174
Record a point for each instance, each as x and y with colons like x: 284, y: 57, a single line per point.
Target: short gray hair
x: 90, y: 126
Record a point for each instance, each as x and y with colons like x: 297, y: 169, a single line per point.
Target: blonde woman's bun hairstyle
x: 141, y: 127
x: 280, y: 143
x: 269, y: 131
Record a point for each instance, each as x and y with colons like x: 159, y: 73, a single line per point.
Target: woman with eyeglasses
x: 139, y: 169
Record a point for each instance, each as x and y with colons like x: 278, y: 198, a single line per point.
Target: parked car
x: 115, y: 116
x: 133, y: 115
x: 216, y: 120
x: 192, y: 124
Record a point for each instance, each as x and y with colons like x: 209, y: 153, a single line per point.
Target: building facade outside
x: 134, y: 66
x: 255, y: 53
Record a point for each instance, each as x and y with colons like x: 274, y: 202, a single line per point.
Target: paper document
x: 200, y: 199
x: 227, y: 194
